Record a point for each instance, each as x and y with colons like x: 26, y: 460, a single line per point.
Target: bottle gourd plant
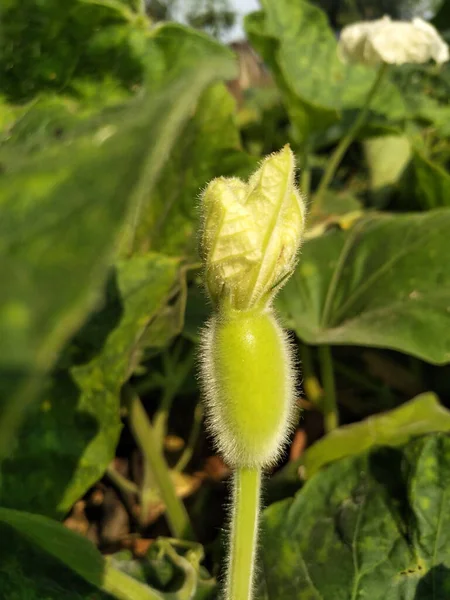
x: 249, y: 243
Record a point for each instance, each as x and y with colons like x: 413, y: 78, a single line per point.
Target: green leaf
x: 168, y: 565
x: 209, y: 147
x: 67, y: 442
x: 54, y: 253
x: 53, y: 45
x: 51, y: 118
x: 78, y: 553
x: 431, y: 182
x: 169, y: 322
x: 386, y: 157
x: 425, y: 108
x: 383, y: 283
x: 425, y: 91
x: 28, y: 573
x: 419, y: 416
x: 372, y: 526
x: 340, y: 208
x: 295, y: 40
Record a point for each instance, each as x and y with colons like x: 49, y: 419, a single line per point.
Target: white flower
x: 392, y: 42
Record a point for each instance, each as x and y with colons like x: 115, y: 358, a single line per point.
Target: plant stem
x: 341, y: 148
x: 161, y: 416
x: 243, y: 534
x: 156, y: 468
x: 311, y: 384
x: 124, y: 484
x: 186, y: 456
x: 329, y: 404
x: 123, y: 586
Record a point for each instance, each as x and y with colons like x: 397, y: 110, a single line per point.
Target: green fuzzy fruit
x: 248, y: 384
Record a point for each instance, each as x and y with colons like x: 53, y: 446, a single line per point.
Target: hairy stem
x: 342, y: 147
x: 156, y: 469
x: 329, y: 404
x: 244, y: 533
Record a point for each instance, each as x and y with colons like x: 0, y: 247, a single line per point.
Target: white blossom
x: 392, y: 42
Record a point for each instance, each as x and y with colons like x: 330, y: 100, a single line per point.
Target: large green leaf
x: 420, y: 416
x: 422, y: 107
x: 172, y: 567
x: 27, y: 573
x: 67, y: 442
x: 54, y: 45
x: 50, y: 117
x: 383, y: 283
x: 77, y: 553
x: 209, y: 147
x: 425, y: 91
x: 431, y: 182
x: 63, y: 209
x: 295, y: 40
x: 373, y: 526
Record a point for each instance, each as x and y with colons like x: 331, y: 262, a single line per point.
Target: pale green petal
x: 252, y: 232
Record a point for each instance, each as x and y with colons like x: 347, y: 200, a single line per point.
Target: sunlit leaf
x: 63, y: 210
x: 420, y: 416
x: 294, y: 38
x: 77, y: 553
x: 382, y: 283
x: 68, y: 440
x: 371, y: 526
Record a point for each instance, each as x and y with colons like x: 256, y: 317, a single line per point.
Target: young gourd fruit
x: 250, y: 388
x: 250, y: 239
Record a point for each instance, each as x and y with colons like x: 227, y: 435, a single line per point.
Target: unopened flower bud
x: 251, y: 233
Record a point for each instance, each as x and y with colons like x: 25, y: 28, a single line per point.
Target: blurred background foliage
x: 114, y: 114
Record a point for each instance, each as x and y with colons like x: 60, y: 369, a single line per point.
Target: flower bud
x: 251, y: 233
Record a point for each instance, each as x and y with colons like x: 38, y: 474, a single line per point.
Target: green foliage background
x: 110, y: 126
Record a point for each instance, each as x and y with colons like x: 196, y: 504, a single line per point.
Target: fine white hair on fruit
x: 250, y: 417
x: 250, y: 238
x: 392, y: 42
